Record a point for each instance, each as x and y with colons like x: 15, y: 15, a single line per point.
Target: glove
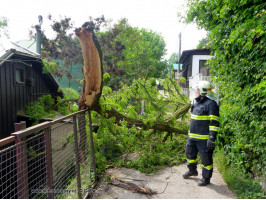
x: 211, y: 143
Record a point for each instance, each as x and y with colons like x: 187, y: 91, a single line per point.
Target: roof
x: 175, y: 67
x: 187, y: 53
x: 8, y: 48
x: 28, y: 44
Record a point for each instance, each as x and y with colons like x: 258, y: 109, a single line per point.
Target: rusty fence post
x: 92, y: 146
x: 22, y: 163
x: 77, y: 157
x: 49, y: 162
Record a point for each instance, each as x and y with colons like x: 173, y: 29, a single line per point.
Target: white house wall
x: 195, y: 62
x: 196, y: 77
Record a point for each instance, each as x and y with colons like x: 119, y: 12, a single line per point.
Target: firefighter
x: 204, y: 125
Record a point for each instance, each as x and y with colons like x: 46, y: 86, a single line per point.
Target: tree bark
x: 92, y: 69
x: 158, y: 125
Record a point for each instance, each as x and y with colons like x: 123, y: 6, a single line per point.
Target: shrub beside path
x: 168, y: 183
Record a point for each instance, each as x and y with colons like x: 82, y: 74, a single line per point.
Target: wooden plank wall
x: 14, y: 98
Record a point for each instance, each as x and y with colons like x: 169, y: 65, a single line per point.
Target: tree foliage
x: 145, y: 113
x: 3, y: 26
x: 237, y: 41
x: 131, y: 53
x: 173, y: 59
x: 128, y: 52
x: 162, y: 111
x: 46, y: 105
x: 63, y: 47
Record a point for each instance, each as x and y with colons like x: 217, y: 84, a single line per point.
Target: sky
x: 159, y: 16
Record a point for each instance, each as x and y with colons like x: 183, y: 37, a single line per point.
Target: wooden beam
x: 7, y: 140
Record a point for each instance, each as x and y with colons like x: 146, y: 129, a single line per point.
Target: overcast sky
x: 157, y: 15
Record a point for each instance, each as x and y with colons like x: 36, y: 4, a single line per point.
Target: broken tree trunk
x: 92, y: 69
x: 92, y: 82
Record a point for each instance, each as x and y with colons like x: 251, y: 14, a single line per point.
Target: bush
x: 243, y: 185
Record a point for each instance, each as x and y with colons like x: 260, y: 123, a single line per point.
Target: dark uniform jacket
x: 204, y: 121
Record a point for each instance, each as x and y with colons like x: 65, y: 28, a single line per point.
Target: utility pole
x: 179, y: 53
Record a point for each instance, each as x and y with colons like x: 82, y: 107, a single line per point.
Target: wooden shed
x: 21, y: 82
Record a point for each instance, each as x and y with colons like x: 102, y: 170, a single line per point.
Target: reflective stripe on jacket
x: 204, y: 121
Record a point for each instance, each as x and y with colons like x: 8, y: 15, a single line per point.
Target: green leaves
x: 45, y: 106
x: 42, y: 108
x: 48, y: 66
x: 141, y: 102
x: 3, y: 26
x: 3, y: 22
x: 131, y: 53
x: 67, y: 104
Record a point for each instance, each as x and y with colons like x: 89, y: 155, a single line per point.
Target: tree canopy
x: 128, y: 52
x: 236, y: 37
x: 131, y: 53
x: 3, y: 26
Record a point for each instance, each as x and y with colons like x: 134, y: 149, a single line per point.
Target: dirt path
x: 168, y: 183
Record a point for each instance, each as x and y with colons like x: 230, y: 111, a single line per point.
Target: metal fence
x: 50, y: 160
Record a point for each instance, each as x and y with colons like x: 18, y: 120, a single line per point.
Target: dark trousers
x: 192, y: 150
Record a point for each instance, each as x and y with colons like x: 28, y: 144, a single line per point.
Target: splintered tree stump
x: 92, y: 69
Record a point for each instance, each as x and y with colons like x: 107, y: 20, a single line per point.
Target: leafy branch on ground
x: 130, y: 132
x: 46, y: 105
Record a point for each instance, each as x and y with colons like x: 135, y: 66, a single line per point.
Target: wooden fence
x: 53, y: 159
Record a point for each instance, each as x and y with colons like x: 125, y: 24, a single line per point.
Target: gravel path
x: 168, y: 183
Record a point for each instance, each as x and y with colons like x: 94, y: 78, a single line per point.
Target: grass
x: 86, y: 182
x: 241, y: 184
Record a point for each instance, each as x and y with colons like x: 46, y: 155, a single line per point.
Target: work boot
x: 204, y: 181
x: 190, y: 173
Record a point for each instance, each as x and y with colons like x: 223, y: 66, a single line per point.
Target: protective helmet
x: 204, y: 87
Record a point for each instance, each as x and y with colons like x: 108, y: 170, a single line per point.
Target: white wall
x: 196, y: 77
x: 195, y: 62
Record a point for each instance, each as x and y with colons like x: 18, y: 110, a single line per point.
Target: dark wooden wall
x: 14, y: 97
x: 187, y: 70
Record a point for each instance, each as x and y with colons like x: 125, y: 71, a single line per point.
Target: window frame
x: 23, y: 71
x: 202, y: 65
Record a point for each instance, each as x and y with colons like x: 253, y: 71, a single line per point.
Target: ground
x: 168, y: 183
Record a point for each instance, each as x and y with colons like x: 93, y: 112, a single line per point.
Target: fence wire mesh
x: 34, y: 160
x: 8, y: 174
x: 63, y: 154
x: 55, y: 162
x: 85, y: 159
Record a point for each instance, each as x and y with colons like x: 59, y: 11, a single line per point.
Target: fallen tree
x: 170, y: 106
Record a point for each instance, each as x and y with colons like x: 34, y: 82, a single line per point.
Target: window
x: 203, y: 68
x: 19, y: 76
